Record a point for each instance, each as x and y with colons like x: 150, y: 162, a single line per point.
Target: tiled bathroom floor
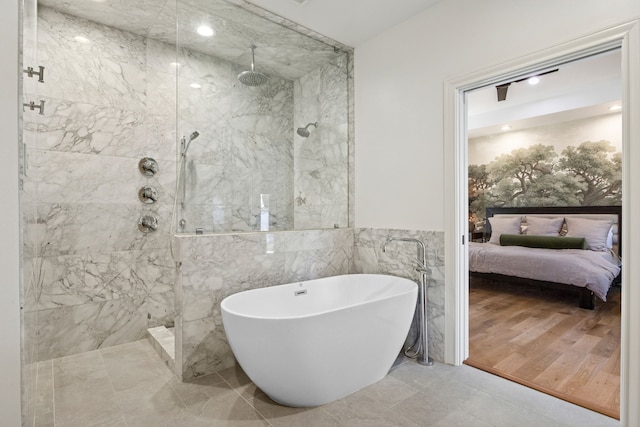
x: 129, y: 385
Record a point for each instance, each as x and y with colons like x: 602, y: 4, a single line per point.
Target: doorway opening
x: 549, y: 138
x: 626, y: 36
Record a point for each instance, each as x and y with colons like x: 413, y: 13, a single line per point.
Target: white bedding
x: 584, y: 268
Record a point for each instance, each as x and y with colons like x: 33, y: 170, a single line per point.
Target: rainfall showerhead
x: 252, y: 77
x: 304, y: 132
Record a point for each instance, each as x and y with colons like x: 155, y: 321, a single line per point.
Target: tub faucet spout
x: 421, y: 258
x: 420, y: 348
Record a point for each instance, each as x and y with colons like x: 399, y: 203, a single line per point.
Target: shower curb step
x: 163, y: 341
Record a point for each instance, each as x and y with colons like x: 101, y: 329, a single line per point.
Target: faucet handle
x: 425, y: 270
x: 148, y: 223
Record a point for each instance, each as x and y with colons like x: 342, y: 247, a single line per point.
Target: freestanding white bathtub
x: 312, y: 342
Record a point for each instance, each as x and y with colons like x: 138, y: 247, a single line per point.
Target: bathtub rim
x: 225, y: 310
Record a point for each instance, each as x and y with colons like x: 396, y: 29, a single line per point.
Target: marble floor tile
x: 460, y: 419
x: 129, y: 385
x: 88, y: 403
x: 150, y: 405
x: 361, y: 410
x: 237, y: 379
x: 132, y: 365
x: 285, y: 416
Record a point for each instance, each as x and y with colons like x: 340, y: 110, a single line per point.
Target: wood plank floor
x: 543, y: 340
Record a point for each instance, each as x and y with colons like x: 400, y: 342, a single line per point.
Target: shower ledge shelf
x: 164, y: 341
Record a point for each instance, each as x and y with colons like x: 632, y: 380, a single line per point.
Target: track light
x: 533, y: 80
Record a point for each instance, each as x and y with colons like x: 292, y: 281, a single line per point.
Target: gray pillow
x: 539, y: 226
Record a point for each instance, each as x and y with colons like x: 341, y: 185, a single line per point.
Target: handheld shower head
x: 186, y: 144
x: 304, y: 132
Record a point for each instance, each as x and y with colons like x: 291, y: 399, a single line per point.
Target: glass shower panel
x: 28, y: 197
x: 242, y: 165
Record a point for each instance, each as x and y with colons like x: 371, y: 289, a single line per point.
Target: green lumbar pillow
x: 546, y: 242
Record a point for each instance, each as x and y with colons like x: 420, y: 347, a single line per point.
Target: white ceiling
x: 580, y: 89
x: 350, y: 22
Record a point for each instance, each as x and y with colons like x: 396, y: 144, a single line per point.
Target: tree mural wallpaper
x: 589, y: 174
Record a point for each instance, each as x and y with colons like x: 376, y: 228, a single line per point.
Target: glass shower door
x: 33, y: 77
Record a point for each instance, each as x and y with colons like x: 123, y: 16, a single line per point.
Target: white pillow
x: 610, y: 238
x: 499, y: 225
x: 539, y: 226
x: 595, y: 231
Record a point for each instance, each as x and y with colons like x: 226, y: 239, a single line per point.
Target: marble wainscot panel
x: 96, y: 280
x: 399, y: 260
x: 321, y: 160
x: 215, y: 266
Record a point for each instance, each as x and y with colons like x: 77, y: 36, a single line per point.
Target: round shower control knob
x: 148, y: 194
x: 148, y: 166
x: 148, y: 223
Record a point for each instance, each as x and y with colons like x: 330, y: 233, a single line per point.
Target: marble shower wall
x: 239, y: 171
x: 111, y: 99
x: 95, y: 279
x: 399, y: 260
x: 215, y: 266
x: 321, y: 161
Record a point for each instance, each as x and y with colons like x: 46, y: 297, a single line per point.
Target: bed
x: 519, y: 247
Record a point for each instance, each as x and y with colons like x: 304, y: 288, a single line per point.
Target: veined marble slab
x: 282, y: 52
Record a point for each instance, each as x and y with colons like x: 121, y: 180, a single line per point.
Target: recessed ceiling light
x: 81, y: 39
x: 205, y: 31
x: 195, y: 85
x: 175, y: 64
x: 534, y: 80
x: 615, y: 107
x: 506, y: 127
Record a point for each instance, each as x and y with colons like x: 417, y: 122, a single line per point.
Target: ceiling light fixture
x: 205, y: 31
x: 533, y: 80
x: 506, y: 127
x: 615, y: 107
x: 504, y: 87
x: 195, y: 85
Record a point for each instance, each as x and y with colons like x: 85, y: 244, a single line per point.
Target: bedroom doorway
x: 549, y: 137
x: 627, y: 36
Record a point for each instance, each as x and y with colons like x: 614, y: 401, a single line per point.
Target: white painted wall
x: 9, y: 243
x: 399, y: 79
